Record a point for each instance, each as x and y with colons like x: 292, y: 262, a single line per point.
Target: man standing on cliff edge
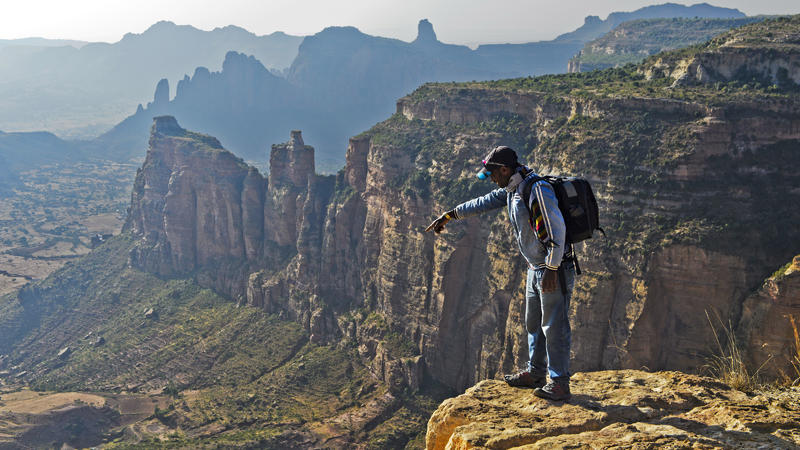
x: 540, y: 232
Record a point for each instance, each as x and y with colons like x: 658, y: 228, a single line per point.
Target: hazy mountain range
x: 81, y: 92
x: 342, y: 81
x: 594, y: 27
x: 335, y: 83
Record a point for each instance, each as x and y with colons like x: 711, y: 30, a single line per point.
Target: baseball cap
x: 499, y: 156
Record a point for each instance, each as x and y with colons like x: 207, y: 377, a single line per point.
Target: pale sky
x: 455, y: 21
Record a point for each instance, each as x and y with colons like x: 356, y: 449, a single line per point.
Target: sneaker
x: 524, y: 379
x: 554, y: 390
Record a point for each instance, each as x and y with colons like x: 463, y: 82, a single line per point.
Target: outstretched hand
x: 438, y: 225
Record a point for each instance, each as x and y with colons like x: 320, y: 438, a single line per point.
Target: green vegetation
x: 631, y: 42
x: 248, y: 375
x: 53, y: 211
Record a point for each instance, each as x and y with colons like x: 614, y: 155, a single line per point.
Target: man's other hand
x: 550, y: 280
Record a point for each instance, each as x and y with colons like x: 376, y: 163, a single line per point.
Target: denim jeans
x: 547, y: 324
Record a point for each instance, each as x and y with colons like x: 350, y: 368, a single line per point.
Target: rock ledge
x: 612, y: 409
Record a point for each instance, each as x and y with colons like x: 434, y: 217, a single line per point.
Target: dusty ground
x: 35, y: 419
x: 51, y: 216
x: 30, y: 402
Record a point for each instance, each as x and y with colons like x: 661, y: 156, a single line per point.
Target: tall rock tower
x: 291, y: 164
x: 291, y: 169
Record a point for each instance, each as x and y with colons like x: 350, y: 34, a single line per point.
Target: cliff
x: 632, y: 42
x: 613, y: 409
x: 688, y: 179
x: 200, y: 209
x: 594, y: 27
x: 770, y: 323
x: 764, y: 53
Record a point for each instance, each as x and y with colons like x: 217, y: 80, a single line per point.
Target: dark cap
x: 499, y: 156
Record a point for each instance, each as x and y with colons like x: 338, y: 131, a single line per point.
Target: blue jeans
x: 547, y: 323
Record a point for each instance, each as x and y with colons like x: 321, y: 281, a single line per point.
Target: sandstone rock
x: 767, y: 328
x: 613, y: 409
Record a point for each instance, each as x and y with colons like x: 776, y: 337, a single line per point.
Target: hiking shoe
x: 524, y: 379
x: 554, y: 390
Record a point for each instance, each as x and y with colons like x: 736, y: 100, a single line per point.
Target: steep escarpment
x: 631, y: 42
x: 680, y: 215
x: 766, y: 317
x: 762, y: 53
x: 201, y: 209
x: 693, y: 183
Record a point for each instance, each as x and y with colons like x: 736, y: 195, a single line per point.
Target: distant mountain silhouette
x: 244, y: 104
x: 341, y: 83
x: 82, y: 92
x: 41, y: 42
x: 25, y: 151
x: 594, y: 27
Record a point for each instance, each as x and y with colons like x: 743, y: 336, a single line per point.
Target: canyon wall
x: 695, y: 199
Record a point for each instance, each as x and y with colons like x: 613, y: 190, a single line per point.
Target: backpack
x: 577, y: 205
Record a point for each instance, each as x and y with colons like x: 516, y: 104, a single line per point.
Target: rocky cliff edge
x: 618, y: 409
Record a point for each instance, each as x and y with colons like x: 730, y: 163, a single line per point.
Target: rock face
x: 613, y: 409
x: 631, y: 42
x: 686, y: 188
x: 765, y: 53
x: 771, y: 322
x: 200, y: 208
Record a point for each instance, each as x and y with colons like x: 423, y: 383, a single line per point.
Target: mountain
x: 632, y: 42
x: 343, y: 80
x: 87, y: 90
x: 222, y: 273
x: 41, y: 42
x: 339, y: 83
x: 22, y: 151
x: 244, y: 104
x: 594, y: 27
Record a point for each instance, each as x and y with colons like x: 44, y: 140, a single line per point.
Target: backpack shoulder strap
x: 526, y: 198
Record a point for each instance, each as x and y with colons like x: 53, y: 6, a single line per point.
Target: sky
x: 455, y: 21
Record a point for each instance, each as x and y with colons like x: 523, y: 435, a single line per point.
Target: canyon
x: 696, y: 179
x: 679, y: 197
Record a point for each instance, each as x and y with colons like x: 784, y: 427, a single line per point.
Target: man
x: 540, y: 233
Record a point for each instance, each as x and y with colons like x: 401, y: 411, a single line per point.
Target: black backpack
x: 577, y: 205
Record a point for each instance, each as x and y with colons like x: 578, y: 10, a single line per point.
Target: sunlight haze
x: 459, y: 22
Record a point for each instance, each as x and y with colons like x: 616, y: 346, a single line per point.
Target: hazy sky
x: 455, y: 21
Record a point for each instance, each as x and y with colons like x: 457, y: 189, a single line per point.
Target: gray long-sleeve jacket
x: 542, y: 249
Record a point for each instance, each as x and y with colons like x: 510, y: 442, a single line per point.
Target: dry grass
x: 30, y: 402
x: 795, y: 359
x: 728, y: 365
